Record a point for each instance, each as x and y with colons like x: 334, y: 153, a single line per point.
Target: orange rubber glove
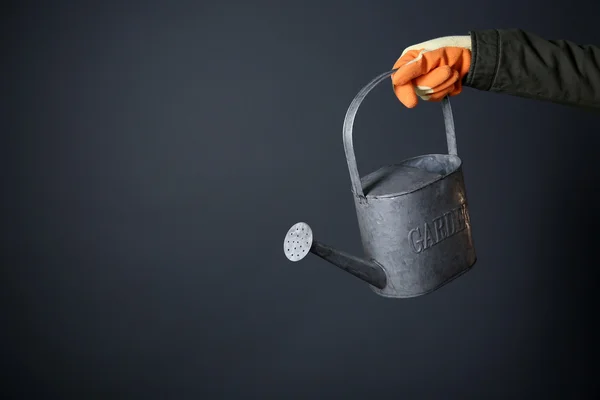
x: 432, y: 70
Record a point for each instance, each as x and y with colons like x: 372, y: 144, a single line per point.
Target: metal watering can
x: 413, y: 218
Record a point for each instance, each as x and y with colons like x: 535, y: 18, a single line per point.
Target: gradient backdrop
x: 156, y: 152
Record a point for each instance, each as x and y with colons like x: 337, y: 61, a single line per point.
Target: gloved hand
x: 432, y: 69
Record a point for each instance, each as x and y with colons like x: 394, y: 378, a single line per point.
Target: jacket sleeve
x: 523, y: 64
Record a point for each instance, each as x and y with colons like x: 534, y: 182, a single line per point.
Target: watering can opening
x: 409, y: 176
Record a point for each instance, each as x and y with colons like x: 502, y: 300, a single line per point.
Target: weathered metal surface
x: 413, y: 218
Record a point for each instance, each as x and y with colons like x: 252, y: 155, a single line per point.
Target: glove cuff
x: 463, y: 41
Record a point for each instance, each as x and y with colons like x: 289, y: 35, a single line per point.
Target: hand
x: 432, y: 70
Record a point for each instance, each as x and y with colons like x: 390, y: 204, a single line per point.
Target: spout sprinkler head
x: 298, y: 241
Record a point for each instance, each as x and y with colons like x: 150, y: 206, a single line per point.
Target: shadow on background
x: 566, y: 244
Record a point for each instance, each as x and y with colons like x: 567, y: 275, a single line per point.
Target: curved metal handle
x: 349, y: 121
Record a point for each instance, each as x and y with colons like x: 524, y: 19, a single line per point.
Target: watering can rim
x: 355, y: 178
x: 416, y: 188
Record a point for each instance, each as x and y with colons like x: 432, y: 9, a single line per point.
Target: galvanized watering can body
x: 413, y: 218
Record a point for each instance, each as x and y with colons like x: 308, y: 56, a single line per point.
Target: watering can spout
x: 299, y: 242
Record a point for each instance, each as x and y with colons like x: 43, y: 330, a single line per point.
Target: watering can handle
x: 349, y: 121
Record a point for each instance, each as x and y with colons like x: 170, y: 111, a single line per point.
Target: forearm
x: 523, y: 64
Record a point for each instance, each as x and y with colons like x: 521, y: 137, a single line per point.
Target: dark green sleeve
x: 523, y: 64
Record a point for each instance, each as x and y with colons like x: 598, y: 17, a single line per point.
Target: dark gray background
x: 155, y: 154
